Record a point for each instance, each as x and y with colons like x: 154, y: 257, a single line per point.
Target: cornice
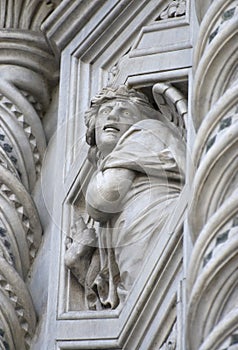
x: 90, y: 21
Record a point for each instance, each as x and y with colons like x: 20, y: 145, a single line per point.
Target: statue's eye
x: 126, y: 113
x: 105, y: 111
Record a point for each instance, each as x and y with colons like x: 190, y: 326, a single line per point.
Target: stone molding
x: 67, y: 21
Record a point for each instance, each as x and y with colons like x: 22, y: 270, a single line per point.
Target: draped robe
x: 155, y: 152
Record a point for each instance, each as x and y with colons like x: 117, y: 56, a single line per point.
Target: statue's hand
x: 80, y: 246
x: 81, y: 234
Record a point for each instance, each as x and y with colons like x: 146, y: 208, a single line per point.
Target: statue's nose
x: 114, y: 114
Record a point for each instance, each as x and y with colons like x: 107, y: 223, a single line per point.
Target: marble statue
x: 139, y: 165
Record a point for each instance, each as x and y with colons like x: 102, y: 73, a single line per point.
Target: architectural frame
x: 85, y: 66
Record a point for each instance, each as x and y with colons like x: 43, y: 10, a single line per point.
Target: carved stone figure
x: 139, y: 160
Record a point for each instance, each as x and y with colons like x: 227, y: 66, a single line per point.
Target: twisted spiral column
x: 22, y: 145
x: 27, y: 70
x: 212, y: 277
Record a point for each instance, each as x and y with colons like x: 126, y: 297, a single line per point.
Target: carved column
x: 212, y: 321
x: 26, y: 69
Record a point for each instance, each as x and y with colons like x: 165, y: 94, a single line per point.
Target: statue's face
x: 113, y: 119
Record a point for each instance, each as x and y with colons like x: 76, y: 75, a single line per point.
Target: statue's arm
x: 106, y: 192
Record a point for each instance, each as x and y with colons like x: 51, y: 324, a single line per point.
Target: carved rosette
x: 212, y: 277
x: 26, y: 69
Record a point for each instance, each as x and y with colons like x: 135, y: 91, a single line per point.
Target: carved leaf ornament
x: 174, y: 9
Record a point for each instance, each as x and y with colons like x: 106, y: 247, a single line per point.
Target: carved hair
x: 122, y: 93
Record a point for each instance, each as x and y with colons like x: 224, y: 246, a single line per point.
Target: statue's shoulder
x: 145, y: 132
x: 147, y: 124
